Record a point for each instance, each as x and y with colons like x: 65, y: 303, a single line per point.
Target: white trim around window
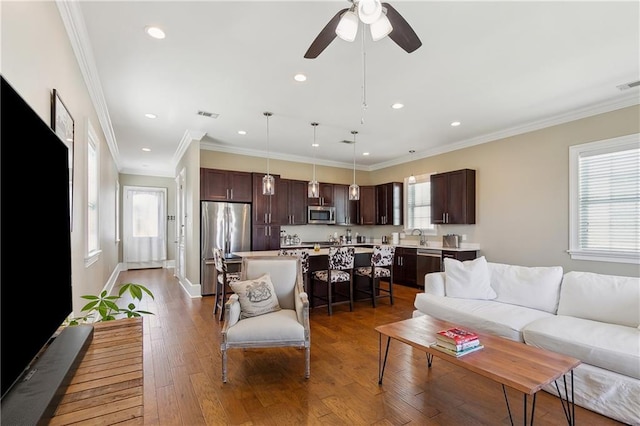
x: 604, y: 200
x: 92, y: 223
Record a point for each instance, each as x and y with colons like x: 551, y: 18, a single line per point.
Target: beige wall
x: 522, y: 187
x: 36, y: 57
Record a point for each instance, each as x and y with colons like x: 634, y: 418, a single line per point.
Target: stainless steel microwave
x: 321, y: 215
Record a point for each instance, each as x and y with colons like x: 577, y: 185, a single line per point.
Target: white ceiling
x: 501, y: 68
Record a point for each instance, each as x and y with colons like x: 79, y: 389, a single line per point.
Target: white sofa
x: 592, y: 317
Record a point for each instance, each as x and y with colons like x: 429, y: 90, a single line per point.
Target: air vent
x: 629, y: 85
x: 208, y: 114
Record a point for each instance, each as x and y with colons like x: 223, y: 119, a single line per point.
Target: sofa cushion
x: 536, y: 287
x: 468, y: 279
x: 606, y: 298
x: 487, y: 316
x: 610, y: 346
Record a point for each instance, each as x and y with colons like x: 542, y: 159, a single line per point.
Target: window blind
x: 609, y: 201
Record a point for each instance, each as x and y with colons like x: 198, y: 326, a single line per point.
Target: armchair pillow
x: 256, y: 296
x: 469, y: 279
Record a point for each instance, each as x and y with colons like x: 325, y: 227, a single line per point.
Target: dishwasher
x: 428, y: 260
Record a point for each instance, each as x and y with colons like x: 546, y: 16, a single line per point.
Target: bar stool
x: 303, y: 254
x: 340, y: 269
x: 222, y: 281
x: 381, y: 268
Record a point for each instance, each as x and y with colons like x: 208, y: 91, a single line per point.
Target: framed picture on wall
x: 63, y: 125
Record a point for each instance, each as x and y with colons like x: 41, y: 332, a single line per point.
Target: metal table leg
x: 382, y: 363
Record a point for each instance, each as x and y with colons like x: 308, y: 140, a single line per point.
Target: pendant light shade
x: 412, y: 178
x: 313, y: 188
x: 380, y: 28
x: 369, y: 11
x: 268, y: 183
x: 354, y: 189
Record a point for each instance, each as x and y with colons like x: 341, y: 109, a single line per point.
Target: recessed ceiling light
x: 146, y: 149
x: 242, y: 132
x: 155, y: 32
x: 397, y: 105
x: 365, y: 153
x: 149, y: 115
x: 300, y: 77
x: 315, y: 145
x: 455, y: 124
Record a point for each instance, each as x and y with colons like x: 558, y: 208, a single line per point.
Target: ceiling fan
x: 382, y: 19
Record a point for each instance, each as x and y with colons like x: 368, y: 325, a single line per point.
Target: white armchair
x: 288, y: 326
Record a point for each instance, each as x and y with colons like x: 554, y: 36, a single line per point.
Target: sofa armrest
x: 434, y: 283
x: 231, y: 313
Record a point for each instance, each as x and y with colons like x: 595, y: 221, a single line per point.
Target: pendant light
x: 412, y: 178
x: 354, y: 190
x: 268, y: 183
x: 313, y: 188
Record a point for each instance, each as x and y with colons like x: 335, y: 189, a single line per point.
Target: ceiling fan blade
x: 402, y: 33
x: 325, y: 37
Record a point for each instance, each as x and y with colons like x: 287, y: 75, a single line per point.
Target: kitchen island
x: 319, y: 260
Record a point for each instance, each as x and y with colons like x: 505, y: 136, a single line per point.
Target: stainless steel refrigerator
x: 226, y: 226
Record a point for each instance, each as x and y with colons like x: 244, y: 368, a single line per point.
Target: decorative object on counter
x: 381, y: 268
x: 268, y: 182
x: 451, y: 241
x: 313, y: 188
x: 395, y: 238
x: 385, y: 239
x: 354, y: 189
x: 340, y: 269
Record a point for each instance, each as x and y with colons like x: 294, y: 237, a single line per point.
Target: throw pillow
x: 469, y: 279
x: 256, y: 296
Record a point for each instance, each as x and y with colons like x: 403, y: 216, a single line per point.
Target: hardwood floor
x: 183, y: 385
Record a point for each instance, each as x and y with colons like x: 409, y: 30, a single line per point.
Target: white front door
x: 145, y: 227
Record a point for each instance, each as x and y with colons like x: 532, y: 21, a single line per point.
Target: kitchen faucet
x: 422, y: 240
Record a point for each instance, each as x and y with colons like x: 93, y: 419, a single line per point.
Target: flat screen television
x: 35, y: 276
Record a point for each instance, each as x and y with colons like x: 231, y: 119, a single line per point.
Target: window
x: 418, y: 205
x: 604, y: 200
x: 93, y: 174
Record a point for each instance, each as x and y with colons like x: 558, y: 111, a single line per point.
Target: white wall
x: 36, y: 57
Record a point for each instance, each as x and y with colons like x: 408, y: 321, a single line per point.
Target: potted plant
x: 105, y: 308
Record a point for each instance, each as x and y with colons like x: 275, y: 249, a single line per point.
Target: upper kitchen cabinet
x: 292, y: 202
x: 367, y: 205
x: 265, y: 207
x: 346, y: 210
x: 453, y: 197
x: 325, y: 198
x: 389, y: 204
x: 225, y: 185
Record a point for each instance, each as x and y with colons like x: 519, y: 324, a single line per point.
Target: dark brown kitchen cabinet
x: 265, y: 207
x: 265, y: 237
x: 453, y: 197
x: 405, y: 266
x: 367, y: 205
x: 292, y: 202
x: 346, y: 210
x: 326, y: 196
x: 225, y: 185
x: 389, y: 204
x: 460, y: 255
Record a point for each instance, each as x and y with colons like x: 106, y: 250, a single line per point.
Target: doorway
x: 144, y: 227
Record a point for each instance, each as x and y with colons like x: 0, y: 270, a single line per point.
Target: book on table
x: 459, y: 347
x: 455, y: 353
x: 456, y: 335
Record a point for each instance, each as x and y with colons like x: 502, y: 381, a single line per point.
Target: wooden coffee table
x: 514, y: 364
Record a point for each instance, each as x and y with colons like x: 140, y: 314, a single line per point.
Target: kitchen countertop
x: 312, y: 252
x: 431, y: 245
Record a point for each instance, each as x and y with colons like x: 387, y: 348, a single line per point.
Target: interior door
x: 145, y: 225
x: 181, y: 206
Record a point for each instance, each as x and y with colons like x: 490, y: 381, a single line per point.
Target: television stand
x: 34, y: 399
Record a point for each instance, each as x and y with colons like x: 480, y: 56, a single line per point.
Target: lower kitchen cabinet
x: 459, y: 255
x: 405, y: 266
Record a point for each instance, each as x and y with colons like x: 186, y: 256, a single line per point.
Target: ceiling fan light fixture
x: 380, y: 28
x: 369, y: 10
x: 347, y: 28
